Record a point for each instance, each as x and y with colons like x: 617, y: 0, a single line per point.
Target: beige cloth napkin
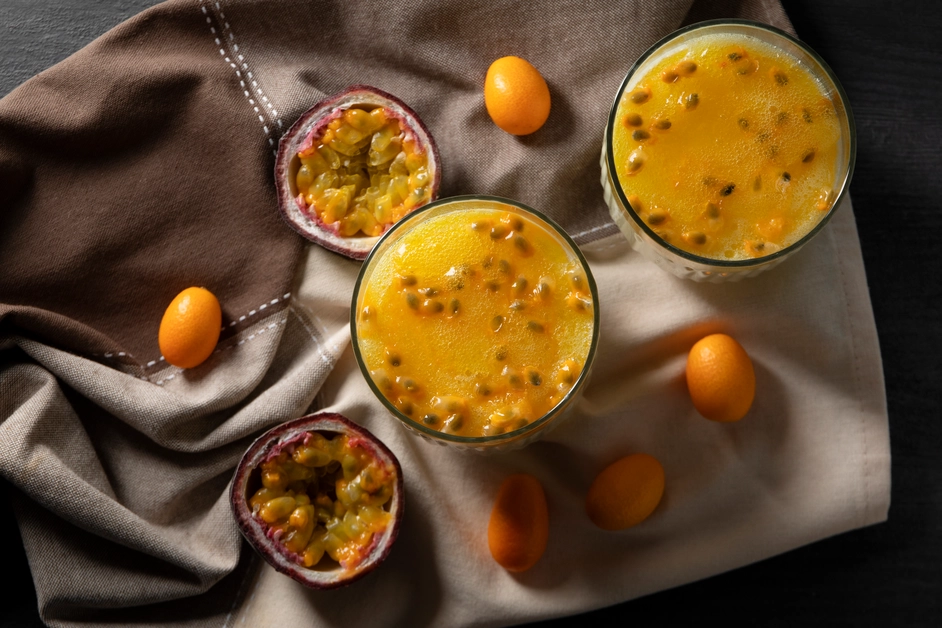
x: 809, y: 461
x: 121, y: 463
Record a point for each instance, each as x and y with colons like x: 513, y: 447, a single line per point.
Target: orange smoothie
x: 476, y: 322
x: 728, y: 148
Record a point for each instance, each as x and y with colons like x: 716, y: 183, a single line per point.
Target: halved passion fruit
x: 320, y: 498
x: 353, y: 165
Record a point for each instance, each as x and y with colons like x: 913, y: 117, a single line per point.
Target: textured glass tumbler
x: 390, y: 241
x: 644, y: 239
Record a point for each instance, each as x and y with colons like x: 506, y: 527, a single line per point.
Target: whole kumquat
x: 626, y: 492
x: 190, y: 328
x: 516, y: 96
x: 720, y: 378
x: 518, y: 530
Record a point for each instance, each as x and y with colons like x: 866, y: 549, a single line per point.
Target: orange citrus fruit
x: 720, y: 378
x: 519, y: 527
x: 190, y: 328
x: 626, y: 492
x: 516, y: 96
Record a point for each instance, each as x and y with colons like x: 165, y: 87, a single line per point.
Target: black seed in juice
x: 656, y: 217
x: 663, y: 125
x: 522, y: 244
x: 412, y: 301
x: 501, y: 354
x: 808, y: 157
x: 734, y: 56
x: 497, y: 322
x: 504, y: 266
x: 498, y: 232
x: 691, y: 101
x: 743, y: 124
x: 786, y: 177
x: 806, y: 116
x: 640, y: 135
x: 534, y: 377
x: 726, y: 191
x: 535, y: 327
x: 454, y: 306
x: 633, y: 119
x: 430, y: 419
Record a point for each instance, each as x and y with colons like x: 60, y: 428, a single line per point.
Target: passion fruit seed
x: 633, y: 119
x: 640, y: 95
x: 686, y: 68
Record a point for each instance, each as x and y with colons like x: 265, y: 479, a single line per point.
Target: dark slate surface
x: 889, y: 58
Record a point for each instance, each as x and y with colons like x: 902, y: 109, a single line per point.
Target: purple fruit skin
x: 317, y: 231
x: 255, y: 533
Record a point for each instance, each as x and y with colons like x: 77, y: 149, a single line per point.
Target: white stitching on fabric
x: 333, y: 349
x: 261, y: 307
x: 227, y: 31
x: 229, y: 346
x: 607, y: 225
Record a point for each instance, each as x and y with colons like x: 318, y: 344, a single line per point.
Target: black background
x: 889, y: 58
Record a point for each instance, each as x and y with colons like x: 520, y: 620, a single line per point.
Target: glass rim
x: 455, y: 439
x: 709, y: 261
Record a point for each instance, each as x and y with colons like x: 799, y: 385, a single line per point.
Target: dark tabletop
x: 889, y: 58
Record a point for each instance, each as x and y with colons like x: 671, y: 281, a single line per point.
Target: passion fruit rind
x: 309, y: 128
x: 263, y: 538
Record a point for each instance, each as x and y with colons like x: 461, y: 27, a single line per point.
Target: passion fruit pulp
x: 320, y: 498
x: 353, y: 165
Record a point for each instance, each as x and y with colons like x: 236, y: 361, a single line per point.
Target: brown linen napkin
x: 142, y: 165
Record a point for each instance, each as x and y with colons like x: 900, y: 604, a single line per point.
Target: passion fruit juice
x: 476, y: 322
x: 727, y: 147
